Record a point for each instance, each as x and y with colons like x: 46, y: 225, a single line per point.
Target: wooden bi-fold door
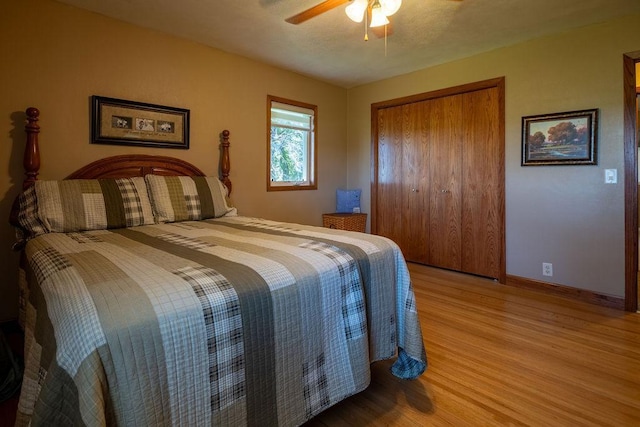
x: 438, y: 188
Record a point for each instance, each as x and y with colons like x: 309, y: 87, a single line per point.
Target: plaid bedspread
x: 232, y: 321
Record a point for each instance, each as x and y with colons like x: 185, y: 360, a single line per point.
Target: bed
x: 146, y: 300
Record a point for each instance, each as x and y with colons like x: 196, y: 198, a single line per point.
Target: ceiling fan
x: 375, y: 11
x: 314, y: 11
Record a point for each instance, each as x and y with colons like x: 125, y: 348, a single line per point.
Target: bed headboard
x: 123, y: 166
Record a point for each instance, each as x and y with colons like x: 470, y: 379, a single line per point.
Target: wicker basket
x: 345, y: 221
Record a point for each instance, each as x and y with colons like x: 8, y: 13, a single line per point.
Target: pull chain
x: 366, y: 28
x: 385, y: 40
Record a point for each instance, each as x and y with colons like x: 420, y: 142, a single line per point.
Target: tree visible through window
x: 292, y: 145
x: 288, y: 154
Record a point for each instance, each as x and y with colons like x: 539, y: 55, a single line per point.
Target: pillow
x: 84, y: 204
x: 26, y: 220
x: 187, y: 198
x: 348, y: 200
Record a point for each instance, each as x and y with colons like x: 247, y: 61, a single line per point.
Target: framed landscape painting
x: 568, y: 138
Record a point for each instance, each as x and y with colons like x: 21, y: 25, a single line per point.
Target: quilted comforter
x: 232, y: 321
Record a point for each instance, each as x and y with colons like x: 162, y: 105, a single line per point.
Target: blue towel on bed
x: 406, y: 367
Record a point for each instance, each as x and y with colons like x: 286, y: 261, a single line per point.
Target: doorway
x: 631, y: 179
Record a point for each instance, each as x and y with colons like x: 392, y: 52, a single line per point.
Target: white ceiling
x: 331, y: 48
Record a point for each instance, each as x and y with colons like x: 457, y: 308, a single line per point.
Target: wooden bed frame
x: 258, y: 285
x: 123, y: 166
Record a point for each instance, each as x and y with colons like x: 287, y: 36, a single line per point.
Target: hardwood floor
x: 503, y: 356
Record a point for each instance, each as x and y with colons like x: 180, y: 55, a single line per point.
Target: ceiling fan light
x: 355, y: 11
x: 389, y: 7
x: 378, y: 18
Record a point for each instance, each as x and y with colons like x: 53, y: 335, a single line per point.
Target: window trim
x: 313, y: 151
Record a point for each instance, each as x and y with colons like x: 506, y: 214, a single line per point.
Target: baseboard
x: 567, y: 291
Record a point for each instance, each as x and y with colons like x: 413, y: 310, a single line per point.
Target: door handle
x: 415, y: 190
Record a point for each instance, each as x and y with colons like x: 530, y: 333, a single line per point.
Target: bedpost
x: 31, y: 164
x: 31, y: 160
x: 225, y: 163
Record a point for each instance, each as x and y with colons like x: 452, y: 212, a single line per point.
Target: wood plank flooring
x: 501, y: 356
x: 504, y: 356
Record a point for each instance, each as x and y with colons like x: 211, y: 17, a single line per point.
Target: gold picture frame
x: 122, y: 122
x: 568, y: 138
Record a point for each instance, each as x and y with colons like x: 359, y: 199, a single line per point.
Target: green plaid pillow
x: 187, y: 198
x: 84, y: 204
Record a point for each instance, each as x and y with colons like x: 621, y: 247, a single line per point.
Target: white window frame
x: 297, y: 109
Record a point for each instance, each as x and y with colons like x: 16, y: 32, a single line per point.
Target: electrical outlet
x: 547, y: 269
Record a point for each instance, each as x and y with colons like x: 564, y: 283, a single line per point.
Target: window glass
x: 292, y: 145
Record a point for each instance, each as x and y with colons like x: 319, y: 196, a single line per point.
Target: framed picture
x: 560, y: 139
x: 121, y: 122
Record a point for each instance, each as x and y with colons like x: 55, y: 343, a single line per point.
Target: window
x: 292, y: 145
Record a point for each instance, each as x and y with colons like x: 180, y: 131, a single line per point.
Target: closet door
x: 483, y: 177
x: 444, y: 173
x: 390, y: 190
x: 438, y: 189
x: 416, y: 184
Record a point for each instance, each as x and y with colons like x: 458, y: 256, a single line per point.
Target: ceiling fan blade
x: 315, y: 11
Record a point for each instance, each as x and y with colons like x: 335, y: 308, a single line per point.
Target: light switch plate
x: 610, y: 176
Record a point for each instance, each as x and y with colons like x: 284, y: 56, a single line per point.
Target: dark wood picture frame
x: 568, y: 138
x: 122, y: 122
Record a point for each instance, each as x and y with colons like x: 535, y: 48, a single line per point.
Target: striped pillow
x: 187, y: 198
x: 84, y: 204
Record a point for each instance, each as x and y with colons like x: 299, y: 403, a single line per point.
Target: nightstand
x: 345, y: 221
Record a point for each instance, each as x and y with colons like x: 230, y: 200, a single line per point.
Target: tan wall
x: 55, y: 57
x: 565, y: 215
